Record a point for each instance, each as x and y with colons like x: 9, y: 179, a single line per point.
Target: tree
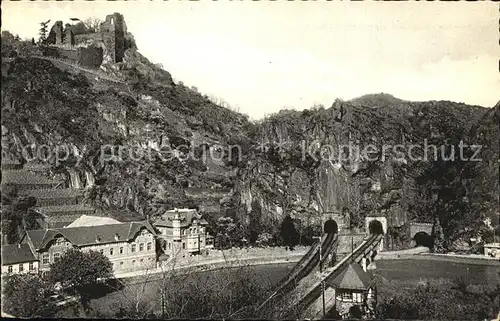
x: 438, y: 236
x: 441, y: 301
x: 228, y: 232
x: 25, y: 295
x: 17, y: 213
x: 289, y: 233
x: 93, y: 24
x: 80, y: 271
x: 355, y: 312
x: 255, y: 227
x: 44, y: 26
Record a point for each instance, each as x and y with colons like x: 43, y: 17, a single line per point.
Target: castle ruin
x: 77, y: 42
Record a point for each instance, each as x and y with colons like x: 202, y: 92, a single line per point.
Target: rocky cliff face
x: 301, y: 171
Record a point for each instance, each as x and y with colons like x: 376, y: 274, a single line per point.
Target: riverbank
x: 422, y: 253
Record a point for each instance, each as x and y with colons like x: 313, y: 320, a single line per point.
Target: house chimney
x: 117, y: 237
x: 98, y: 239
x: 19, y: 245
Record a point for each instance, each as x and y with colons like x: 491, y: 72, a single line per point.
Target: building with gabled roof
x: 353, y: 286
x: 184, y: 231
x: 129, y: 246
x: 18, y: 258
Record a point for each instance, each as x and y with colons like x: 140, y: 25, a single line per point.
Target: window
x: 57, y: 256
x: 358, y: 297
x: 45, y: 258
x: 121, y: 249
x: 21, y: 267
x: 133, y: 262
x: 111, y: 251
x: 121, y: 265
x: 101, y: 251
x: 31, y: 266
x: 346, y: 296
x: 183, y: 245
x: 10, y: 269
x: 141, y: 247
x: 149, y: 246
x: 133, y: 248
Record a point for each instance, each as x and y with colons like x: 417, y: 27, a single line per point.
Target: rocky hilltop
x: 140, y: 144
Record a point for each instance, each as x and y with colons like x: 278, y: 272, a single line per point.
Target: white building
x: 183, y: 230
x: 492, y: 249
x: 18, y: 258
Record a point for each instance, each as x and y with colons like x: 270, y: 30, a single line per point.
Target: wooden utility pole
x: 322, y: 211
x: 352, y: 248
x: 321, y: 271
x: 163, y: 297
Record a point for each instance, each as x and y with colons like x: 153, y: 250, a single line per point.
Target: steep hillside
x: 124, y: 126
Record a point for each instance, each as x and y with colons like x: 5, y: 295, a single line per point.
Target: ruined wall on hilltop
x: 110, y: 37
x: 68, y: 54
x: 90, y: 56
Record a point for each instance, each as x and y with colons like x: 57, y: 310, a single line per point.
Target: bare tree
x: 230, y: 293
x: 93, y: 24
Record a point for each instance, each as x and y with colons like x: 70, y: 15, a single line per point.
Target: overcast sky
x: 262, y: 56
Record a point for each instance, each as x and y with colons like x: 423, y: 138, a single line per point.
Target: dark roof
x: 51, y: 193
x: 16, y: 253
x: 87, y: 235
x: 64, y: 208
x: 187, y: 216
x: 23, y: 177
x: 352, y: 278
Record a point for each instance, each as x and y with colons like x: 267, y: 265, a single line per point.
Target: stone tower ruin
x: 113, y: 32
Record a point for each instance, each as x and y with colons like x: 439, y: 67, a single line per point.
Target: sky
x: 264, y: 56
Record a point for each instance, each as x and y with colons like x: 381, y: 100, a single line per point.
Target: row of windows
x: 46, y: 257
x: 56, y: 256
x: 31, y: 267
x: 184, y: 244
x: 347, y: 296
x: 120, y: 265
x: 149, y: 246
x: 192, y: 230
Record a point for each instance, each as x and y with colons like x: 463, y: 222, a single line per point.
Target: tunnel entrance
x: 331, y: 227
x: 375, y: 227
x: 423, y: 239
